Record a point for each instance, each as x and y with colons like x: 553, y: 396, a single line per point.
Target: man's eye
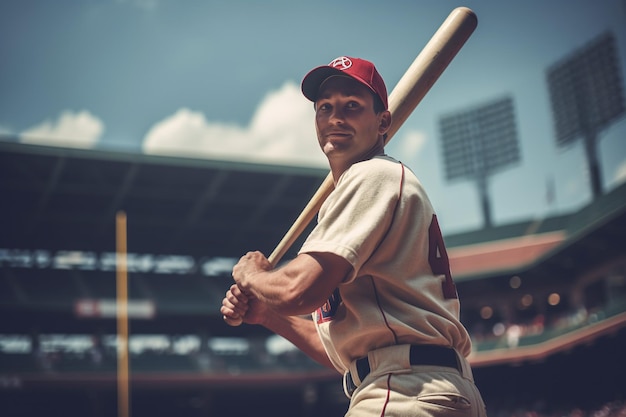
x: 352, y: 105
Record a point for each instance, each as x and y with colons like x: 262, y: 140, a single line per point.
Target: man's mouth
x: 336, y: 134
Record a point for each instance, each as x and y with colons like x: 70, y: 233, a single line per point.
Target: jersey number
x: 438, y: 258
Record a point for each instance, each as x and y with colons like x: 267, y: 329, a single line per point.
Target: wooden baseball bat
x: 412, y: 87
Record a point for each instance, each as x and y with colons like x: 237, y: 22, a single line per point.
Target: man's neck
x: 338, y: 167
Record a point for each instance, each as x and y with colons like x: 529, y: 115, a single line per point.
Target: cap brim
x: 314, y: 79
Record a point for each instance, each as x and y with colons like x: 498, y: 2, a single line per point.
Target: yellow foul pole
x: 122, y: 317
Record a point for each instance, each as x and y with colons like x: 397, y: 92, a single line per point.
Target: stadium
x: 545, y: 300
x: 116, y: 250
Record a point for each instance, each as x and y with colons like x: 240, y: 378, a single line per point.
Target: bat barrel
x: 429, y: 65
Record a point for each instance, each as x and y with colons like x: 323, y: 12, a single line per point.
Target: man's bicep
x: 335, y: 268
x: 315, y: 276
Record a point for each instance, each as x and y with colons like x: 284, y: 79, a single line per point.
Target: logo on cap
x: 342, y: 63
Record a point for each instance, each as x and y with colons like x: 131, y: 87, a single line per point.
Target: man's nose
x: 337, y: 115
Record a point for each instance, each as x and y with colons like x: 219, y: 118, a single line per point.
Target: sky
x: 220, y: 80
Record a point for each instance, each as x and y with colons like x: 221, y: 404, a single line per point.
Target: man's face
x: 348, y: 129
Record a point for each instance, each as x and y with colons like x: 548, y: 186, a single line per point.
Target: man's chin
x: 334, y: 153
x: 336, y: 146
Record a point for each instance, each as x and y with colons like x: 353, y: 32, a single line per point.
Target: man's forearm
x: 299, y: 287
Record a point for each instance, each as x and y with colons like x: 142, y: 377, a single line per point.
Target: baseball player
x: 373, y: 274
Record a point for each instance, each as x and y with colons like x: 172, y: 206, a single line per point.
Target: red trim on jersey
x: 382, y: 413
x: 382, y: 312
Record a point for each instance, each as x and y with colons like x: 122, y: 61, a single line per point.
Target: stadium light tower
x: 478, y: 143
x: 587, y: 96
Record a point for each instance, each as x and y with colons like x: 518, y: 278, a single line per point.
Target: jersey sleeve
x: 357, y: 214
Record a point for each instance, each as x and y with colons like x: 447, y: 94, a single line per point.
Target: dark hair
x: 378, y: 103
x: 379, y: 107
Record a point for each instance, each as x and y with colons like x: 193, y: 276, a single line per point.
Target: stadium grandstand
x: 544, y: 299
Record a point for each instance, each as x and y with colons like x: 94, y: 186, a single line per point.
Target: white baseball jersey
x: 381, y: 221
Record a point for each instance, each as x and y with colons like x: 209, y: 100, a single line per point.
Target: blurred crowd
x: 614, y: 408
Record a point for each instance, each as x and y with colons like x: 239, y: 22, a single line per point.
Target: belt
x: 419, y: 355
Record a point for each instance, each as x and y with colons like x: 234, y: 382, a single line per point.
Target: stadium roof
x: 67, y: 199
x: 62, y: 199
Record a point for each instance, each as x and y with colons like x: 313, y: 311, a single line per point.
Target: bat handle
x: 303, y: 220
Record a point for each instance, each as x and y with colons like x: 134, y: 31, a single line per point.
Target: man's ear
x: 385, y: 122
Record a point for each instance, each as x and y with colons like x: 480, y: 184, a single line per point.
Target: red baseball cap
x: 361, y: 70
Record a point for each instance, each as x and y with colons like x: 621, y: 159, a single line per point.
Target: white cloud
x: 281, y: 131
x: 410, y: 144
x: 74, y: 129
x: 620, y: 173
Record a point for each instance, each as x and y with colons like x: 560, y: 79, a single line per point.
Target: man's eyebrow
x: 352, y: 92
